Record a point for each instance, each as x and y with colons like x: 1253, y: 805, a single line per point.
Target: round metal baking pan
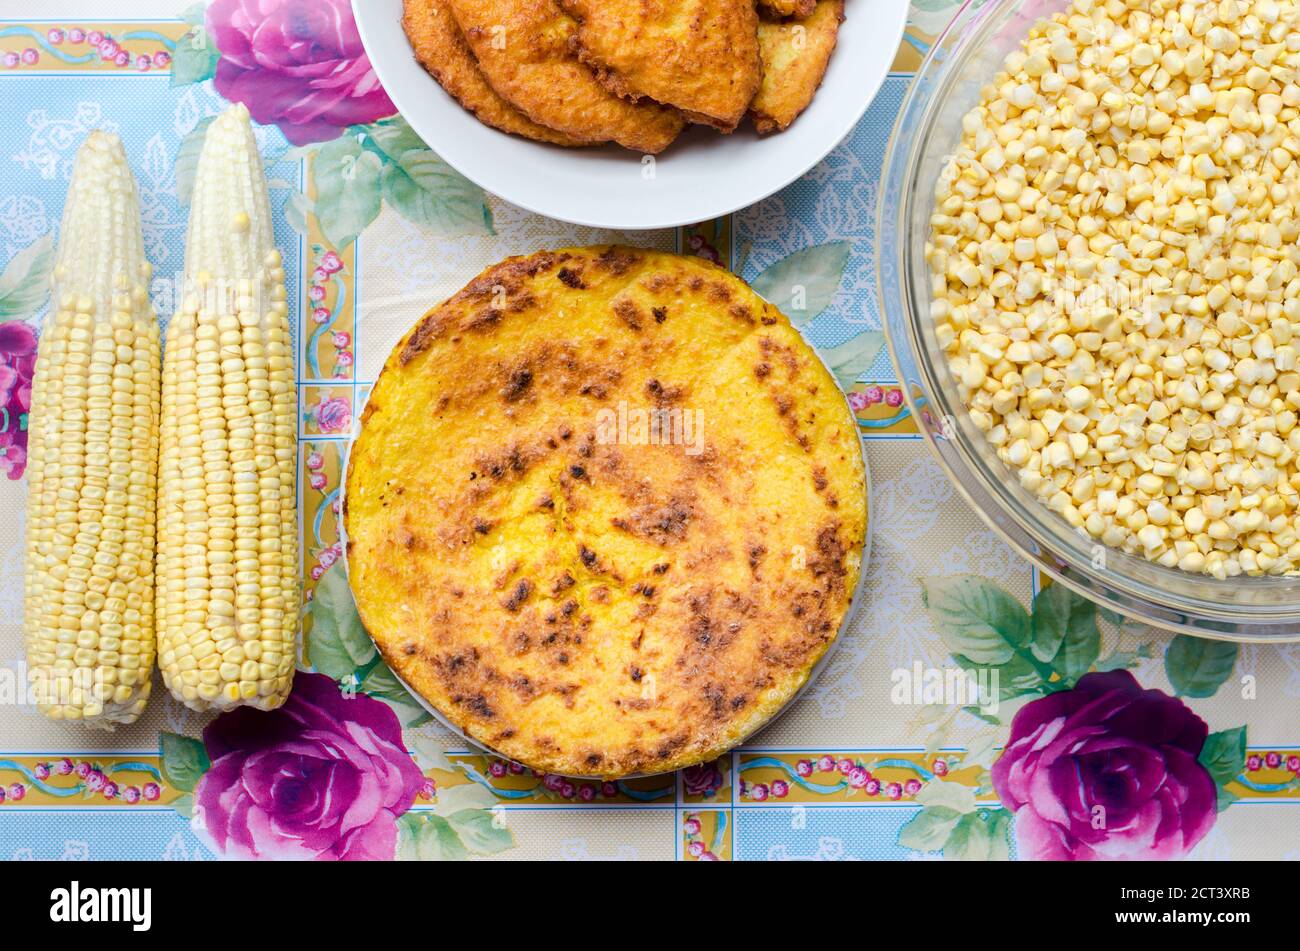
x: 855, y: 603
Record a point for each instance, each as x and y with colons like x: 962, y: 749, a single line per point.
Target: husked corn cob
x: 93, y: 449
x: 227, y: 542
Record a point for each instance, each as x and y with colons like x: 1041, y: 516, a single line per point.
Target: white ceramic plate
x: 703, y: 175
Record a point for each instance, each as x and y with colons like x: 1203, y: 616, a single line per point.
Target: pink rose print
x: 17, y: 363
x: 334, y: 415
x: 323, y: 777
x: 298, y: 64
x: 702, y: 780
x: 1106, y: 743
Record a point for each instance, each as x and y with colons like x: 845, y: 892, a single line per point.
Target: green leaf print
x: 194, y: 59
x: 977, y: 620
x: 854, y: 357
x: 929, y: 830
x: 195, y: 14
x: 804, y: 284
x: 426, y: 191
x: 338, y: 644
x: 421, y: 187
x: 1198, y: 667
x: 954, y: 796
x: 184, y: 760
x: 381, y: 684
x: 25, y: 283
x: 1065, y: 631
x: 348, y: 189
x: 481, y: 831
x: 394, y: 138
x: 1224, y: 757
x: 425, y: 838
x: 979, y: 838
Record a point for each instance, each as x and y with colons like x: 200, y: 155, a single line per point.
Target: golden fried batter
x: 561, y: 583
x: 443, y: 53
x: 522, y: 47
x: 698, y: 55
x: 795, y: 54
x: 788, y: 8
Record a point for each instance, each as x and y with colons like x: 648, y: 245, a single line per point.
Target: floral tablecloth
x: 1091, y: 736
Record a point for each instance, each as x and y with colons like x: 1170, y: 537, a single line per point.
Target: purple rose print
x: 702, y: 780
x: 298, y: 64
x: 323, y: 777
x: 17, y: 363
x: 1106, y: 771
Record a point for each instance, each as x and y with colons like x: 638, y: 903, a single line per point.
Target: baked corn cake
x: 606, y: 510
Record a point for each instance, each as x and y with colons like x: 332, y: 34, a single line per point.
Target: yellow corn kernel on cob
x: 93, y: 449
x: 227, y: 527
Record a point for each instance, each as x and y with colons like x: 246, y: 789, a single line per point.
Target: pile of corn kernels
x: 1114, y: 276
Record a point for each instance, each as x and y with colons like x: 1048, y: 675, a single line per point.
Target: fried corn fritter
x: 445, y: 56
x: 569, y: 588
x: 523, y: 50
x: 788, y: 8
x: 698, y: 55
x: 795, y: 56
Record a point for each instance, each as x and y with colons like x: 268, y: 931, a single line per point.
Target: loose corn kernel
x: 1116, y: 271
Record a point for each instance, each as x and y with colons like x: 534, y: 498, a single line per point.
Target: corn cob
x: 227, y: 533
x: 89, y: 620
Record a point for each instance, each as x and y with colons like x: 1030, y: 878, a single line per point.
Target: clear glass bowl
x: 963, y: 59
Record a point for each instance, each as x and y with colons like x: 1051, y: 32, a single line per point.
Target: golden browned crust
x: 523, y: 50
x: 442, y: 51
x: 788, y: 8
x: 698, y: 55
x: 795, y: 56
x: 565, y: 590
